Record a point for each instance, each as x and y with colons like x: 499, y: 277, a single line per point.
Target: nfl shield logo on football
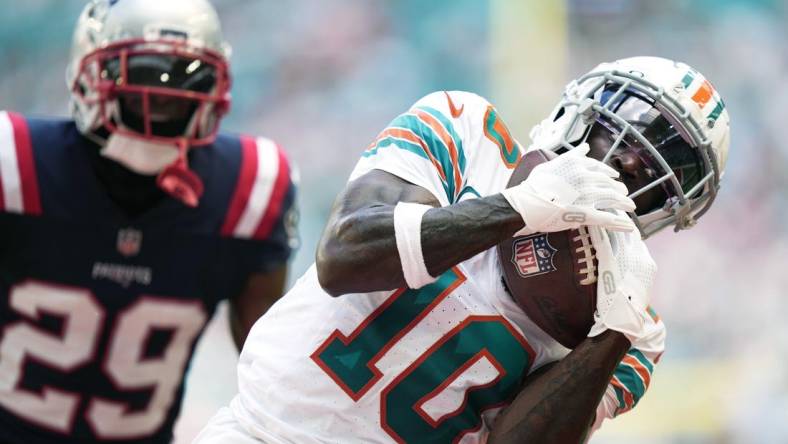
x: 533, y: 255
x: 129, y: 241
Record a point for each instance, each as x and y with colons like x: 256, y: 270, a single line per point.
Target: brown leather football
x: 551, y: 276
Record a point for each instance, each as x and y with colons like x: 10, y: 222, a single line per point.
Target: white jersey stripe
x: 267, y: 169
x: 9, y: 167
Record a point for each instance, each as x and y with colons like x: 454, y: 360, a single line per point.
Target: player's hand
x: 569, y: 191
x: 625, y: 276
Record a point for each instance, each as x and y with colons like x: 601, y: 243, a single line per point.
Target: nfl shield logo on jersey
x: 129, y: 241
x: 533, y: 255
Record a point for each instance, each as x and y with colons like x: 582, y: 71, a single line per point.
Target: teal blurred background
x: 322, y: 77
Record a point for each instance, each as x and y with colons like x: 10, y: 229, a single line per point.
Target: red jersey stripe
x: 243, y: 188
x: 27, y: 168
x: 277, y: 198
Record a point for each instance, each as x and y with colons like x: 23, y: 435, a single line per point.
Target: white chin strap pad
x: 140, y: 156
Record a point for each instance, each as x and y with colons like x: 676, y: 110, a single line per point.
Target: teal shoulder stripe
x: 450, y: 128
x: 399, y: 143
x: 470, y: 190
x: 434, y: 143
x: 631, y: 381
x: 637, y: 354
x: 405, y: 145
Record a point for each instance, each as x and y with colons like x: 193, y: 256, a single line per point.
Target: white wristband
x: 407, y: 230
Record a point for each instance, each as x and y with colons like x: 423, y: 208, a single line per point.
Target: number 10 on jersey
x: 407, y: 411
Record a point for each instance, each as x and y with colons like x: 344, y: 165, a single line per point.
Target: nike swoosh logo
x: 456, y: 113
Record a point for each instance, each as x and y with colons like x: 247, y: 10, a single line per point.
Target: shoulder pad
x: 263, y: 181
x: 18, y: 180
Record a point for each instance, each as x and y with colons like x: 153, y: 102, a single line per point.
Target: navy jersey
x: 100, y: 312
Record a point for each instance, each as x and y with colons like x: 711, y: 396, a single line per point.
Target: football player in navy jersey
x: 123, y: 227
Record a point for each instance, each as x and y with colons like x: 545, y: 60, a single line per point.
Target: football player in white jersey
x: 403, y: 330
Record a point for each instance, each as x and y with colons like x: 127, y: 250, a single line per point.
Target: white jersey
x: 429, y: 365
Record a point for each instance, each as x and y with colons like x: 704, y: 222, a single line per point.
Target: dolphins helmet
x: 664, y: 111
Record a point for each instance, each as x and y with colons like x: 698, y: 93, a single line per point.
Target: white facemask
x: 140, y: 156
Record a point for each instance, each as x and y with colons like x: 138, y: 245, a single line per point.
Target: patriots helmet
x: 155, y: 70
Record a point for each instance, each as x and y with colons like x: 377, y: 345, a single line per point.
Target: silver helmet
x: 155, y: 71
x: 663, y: 112
x: 152, y: 69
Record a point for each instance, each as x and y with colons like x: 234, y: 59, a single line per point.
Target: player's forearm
x: 360, y: 253
x: 558, y: 405
x: 452, y: 234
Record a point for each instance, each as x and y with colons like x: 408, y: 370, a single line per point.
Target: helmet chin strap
x: 179, y: 181
x: 168, y: 162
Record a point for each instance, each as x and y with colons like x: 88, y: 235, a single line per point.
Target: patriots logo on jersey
x: 533, y: 255
x: 129, y: 242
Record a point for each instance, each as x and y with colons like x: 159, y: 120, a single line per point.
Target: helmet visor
x: 154, y: 88
x: 158, y: 90
x: 644, y: 117
x: 164, y: 71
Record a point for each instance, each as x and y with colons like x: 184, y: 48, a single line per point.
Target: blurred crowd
x: 323, y: 76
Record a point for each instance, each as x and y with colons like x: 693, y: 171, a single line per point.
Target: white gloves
x: 626, y: 274
x: 569, y: 191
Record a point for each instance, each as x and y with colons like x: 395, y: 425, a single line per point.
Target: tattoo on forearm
x: 455, y: 233
x: 558, y: 406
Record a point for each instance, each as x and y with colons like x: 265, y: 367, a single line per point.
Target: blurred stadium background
x: 324, y: 76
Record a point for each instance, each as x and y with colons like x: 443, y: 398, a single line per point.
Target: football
x: 551, y: 276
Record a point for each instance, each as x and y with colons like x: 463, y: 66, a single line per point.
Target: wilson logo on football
x: 533, y: 255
